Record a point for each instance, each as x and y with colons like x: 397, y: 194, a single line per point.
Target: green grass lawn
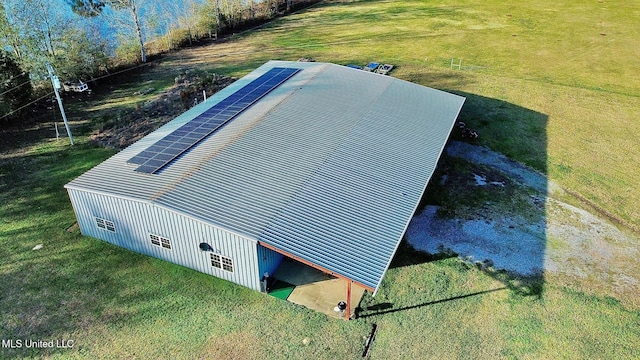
x: 575, y: 63
x: 544, y: 86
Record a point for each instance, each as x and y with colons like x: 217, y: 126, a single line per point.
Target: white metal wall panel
x: 134, y: 221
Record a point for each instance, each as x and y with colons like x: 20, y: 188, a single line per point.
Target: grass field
x: 552, y: 85
x: 544, y: 56
x: 574, y: 63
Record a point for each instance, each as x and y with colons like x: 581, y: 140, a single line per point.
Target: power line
x: 24, y: 106
x: 121, y: 71
x: 48, y: 94
x: 17, y: 76
x: 15, y: 87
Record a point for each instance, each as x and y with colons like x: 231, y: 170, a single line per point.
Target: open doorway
x: 313, y: 288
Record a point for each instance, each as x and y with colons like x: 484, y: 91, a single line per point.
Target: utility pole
x: 56, y: 86
x: 217, y: 18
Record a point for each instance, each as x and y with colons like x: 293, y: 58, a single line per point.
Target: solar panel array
x: 167, y: 149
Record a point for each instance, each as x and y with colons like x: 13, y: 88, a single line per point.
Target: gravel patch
x: 575, y: 247
x: 483, y: 156
x: 496, y: 241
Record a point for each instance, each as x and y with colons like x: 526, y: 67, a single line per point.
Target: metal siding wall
x: 268, y: 260
x: 135, y: 220
x: 88, y: 207
x: 329, y: 167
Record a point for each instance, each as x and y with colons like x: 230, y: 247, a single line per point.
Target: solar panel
x: 164, y: 151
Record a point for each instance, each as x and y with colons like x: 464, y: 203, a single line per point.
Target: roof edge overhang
x: 164, y: 207
x: 307, y: 262
x: 418, y: 202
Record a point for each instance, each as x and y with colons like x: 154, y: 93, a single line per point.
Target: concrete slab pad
x: 316, y: 290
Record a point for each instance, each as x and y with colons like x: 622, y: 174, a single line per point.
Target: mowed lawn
x: 574, y: 62
x: 552, y: 85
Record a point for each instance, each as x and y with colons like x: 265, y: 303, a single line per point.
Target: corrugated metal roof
x: 329, y: 167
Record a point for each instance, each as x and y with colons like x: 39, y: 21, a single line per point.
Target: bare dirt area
x: 569, y: 246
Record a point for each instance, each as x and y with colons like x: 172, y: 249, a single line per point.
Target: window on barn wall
x: 227, y: 264
x: 105, y: 224
x: 215, y: 261
x: 222, y: 262
x: 160, y: 241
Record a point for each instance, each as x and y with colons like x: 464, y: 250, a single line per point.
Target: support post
x: 458, y: 65
x: 348, y: 310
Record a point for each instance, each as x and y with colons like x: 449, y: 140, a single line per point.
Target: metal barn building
x: 316, y: 162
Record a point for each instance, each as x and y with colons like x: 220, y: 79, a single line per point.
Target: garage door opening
x: 315, y: 289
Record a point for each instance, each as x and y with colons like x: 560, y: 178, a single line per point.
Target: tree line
x: 83, y: 39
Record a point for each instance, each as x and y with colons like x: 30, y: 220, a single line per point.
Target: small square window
x: 166, y: 243
x: 222, y: 262
x: 215, y: 261
x: 105, y: 224
x: 160, y: 241
x: 227, y: 264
